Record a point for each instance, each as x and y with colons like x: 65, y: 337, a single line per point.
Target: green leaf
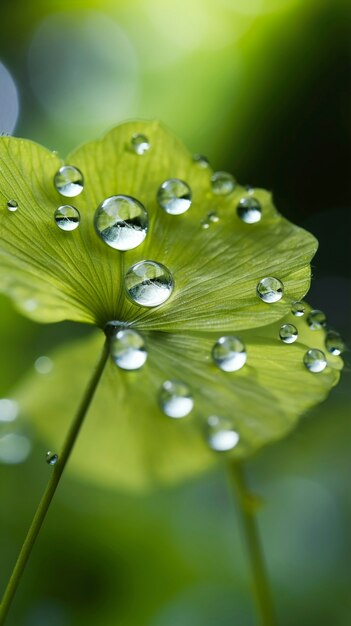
x: 128, y: 442
x: 54, y: 275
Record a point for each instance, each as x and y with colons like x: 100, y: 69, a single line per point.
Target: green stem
x: 52, y: 485
x: 262, y: 592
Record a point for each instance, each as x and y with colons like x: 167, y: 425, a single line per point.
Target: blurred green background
x: 262, y: 87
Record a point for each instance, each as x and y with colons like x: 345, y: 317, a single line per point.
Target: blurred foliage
x: 262, y: 87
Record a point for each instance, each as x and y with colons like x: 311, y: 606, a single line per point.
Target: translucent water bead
x: 12, y: 205
x: 51, y: 458
x: 149, y: 283
x: 174, y: 196
x: 67, y: 217
x: 270, y: 289
x: 128, y: 349
x: 229, y: 353
x: 221, y: 435
x: 201, y: 161
x: 249, y: 210
x: 69, y: 181
x: 288, y: 333
x: 315, y: 360
x: 222, y: 183
x: 175, y: 399
x: 334, y: 343
x: 139, y: 144
x: 121, y: 222
x: 298, y: 309
x: 316, y: 320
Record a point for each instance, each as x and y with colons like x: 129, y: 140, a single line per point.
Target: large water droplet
x: 249, y: 210
x: 128, y: 349
x: 121, y: 222
x: 201, y: 160
x: 222, y: 183
x: 334, y: 343
x: 140, y: 144
x: 175, y: 399
x: 174, y: 196
x: 12, y: 205
x: 69, y: 181
x: 288, y: 333
x: 149, y: 283
x: 67, y: 217
x: 315, y: 360
x: 51, y: 458
x: 270, y: 289
x: 229, y: 353
x: 316, y: 320
x: 221, y: 435
x: 298, y: 308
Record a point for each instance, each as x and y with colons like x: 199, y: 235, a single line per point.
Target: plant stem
x: 262, y: 592
x: 52, y: 485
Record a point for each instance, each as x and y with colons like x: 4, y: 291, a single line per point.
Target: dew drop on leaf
x: 121, y: 222
x: 128, y: 349
x: 270, y: 289
x: 288, y: 333
x: 315, y: 360
x: 149, y: 283
x: 249, y: 210
x: 175, y: 399
x: 334, y: 343
x: 298, y: 309
x: 69, y: 181
x: 67, y: 217
x: 229, y: 353
x: 201, y: 160
x: 316, y: 320
x: 222, y: 183
x: 51, y: 458
x: 221, y: 435
x: 174, y: 196
x: 12, y: 205
x: 139, y: 144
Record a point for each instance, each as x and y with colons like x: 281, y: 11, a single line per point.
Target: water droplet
x: 12, y: 205
x: 67, y: 217
x: 8, y: 410
x: 249, y: 210
x: 121, y: 222
x: 140, y: 144
x: 149, y: 283
x: 316, y: 320
x: 201, y: 160
x: 270, y: 289
x: 69, y: 181
x: 222, y: 183
x: 298, y: 308
x: 334, y: 343
x: 229, y: 353
x: 51, y: 458
x: 315, y: 360
x: 288, y: 333
x: 221, y: 435
x: 128, y: 349
x: 212, y: 216
x: 205, y: 224
x: 43, y: 365
x: 176, y: 399
x: 249, y: 189
x: 174, y: 196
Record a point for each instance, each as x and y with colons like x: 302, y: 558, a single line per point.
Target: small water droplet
x: 288, y: 333
x: 250, y: 189
x: 149, y: 283
x: 174, y: 196
x: 140, y: 144
x: 12, y: 205
x: 67, y: 217
x: 201, y: 160
x: 51, y: 458
x: 270, y: 289
x: 121, y: 222
x: 249, y: 210
x: 334, y: 343
x: 298, y: 308
x: 316, y: 320
x: 212, y: 216
x: 222, y: 183
x: 221, y: 435
x: 315, y: 360
x: 175, y: 399
x: 69, y: 181
x: 128, y: 349
x: 43, y: 365
x: 205, y: 224
x: 229, y: 353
